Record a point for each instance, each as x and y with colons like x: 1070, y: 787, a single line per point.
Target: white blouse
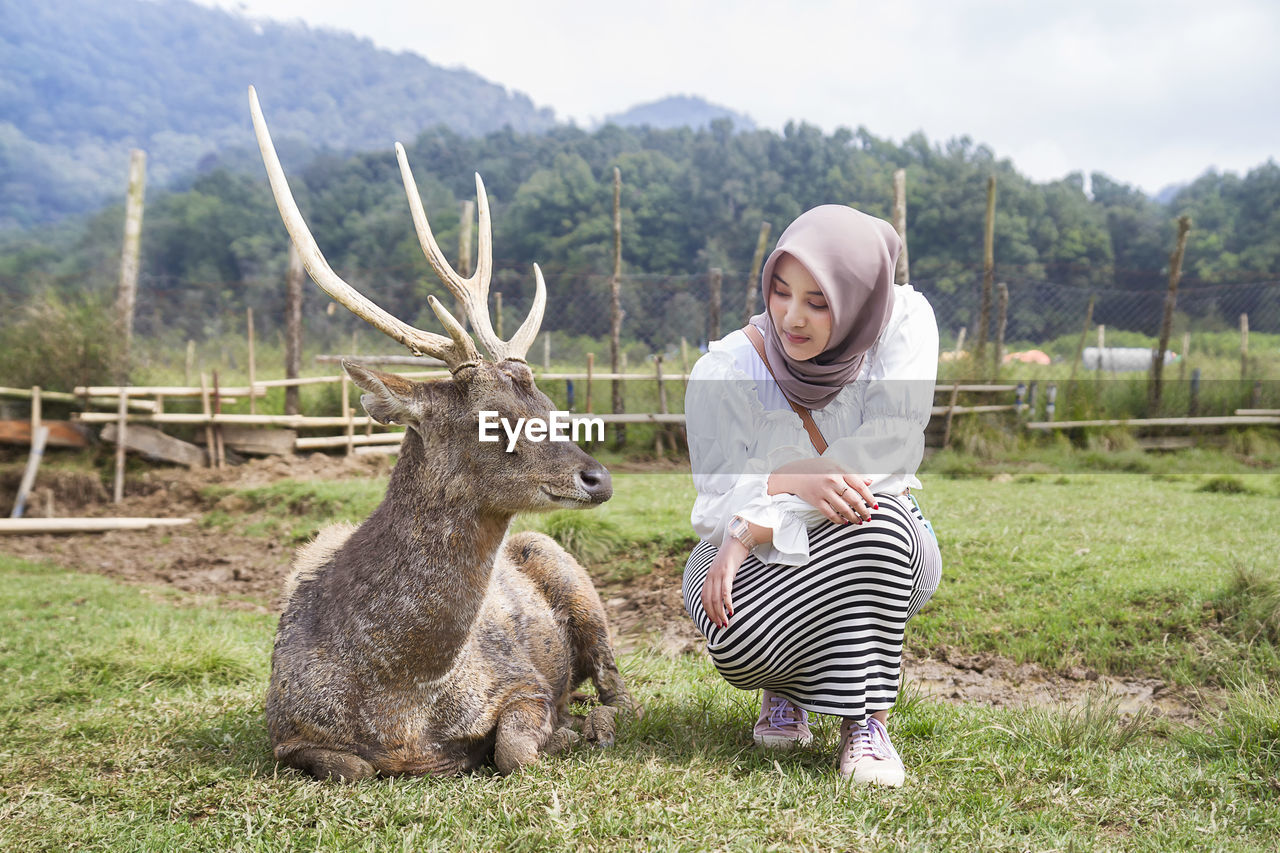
x: 741, y: 429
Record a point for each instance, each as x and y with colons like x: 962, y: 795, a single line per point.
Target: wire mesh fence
x: 659, y: 311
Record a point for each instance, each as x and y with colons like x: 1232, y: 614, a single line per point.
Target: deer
x: 429, y: 640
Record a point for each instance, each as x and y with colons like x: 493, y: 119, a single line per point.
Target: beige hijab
x: 852, y: 257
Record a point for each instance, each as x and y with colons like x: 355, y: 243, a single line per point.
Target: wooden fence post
x: 753, y: 280
x: 902, y: 273
x: 211, y: 457
x: 684, y: 364
x: 127, y: 291
x: 615, y: 312
x: 1166, y: 325
x: 988, y: 271
x: 591, y: 363
x: 293, y: 328
x: 253, y: 367
x: 659, y: 442
x: 1244, y: 347
x: 713, y: 307
x: 191, y: 362
x: 1002, y: 316
x: 347, y: 412
x: 122, y: 421
x: 218, y: 441
x: 1075, y: 362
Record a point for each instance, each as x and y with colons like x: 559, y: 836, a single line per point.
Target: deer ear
x: 389, y: 399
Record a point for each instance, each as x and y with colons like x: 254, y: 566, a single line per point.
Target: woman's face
x: 798, y: 309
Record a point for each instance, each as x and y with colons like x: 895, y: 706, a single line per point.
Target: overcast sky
x: 1151, y: 93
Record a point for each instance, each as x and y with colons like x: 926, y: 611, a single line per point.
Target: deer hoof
x: 331, y: 766
x: 599, y: 727
x: 561, y: 739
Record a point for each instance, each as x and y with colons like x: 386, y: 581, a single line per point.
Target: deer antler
x: 474, y: 292
x: 456, y: 350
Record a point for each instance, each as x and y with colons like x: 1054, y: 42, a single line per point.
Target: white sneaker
x: 867, y: 755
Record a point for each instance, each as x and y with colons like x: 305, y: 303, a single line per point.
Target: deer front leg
x: 524, y: 727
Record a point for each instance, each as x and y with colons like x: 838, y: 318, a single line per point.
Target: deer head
x: 443, y: 418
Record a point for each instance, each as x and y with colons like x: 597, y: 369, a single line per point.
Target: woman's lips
x: 796, y: 339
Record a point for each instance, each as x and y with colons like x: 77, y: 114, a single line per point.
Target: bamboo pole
x: 1002, y: 316
x: 1244, y: 347
x: 1075, y: 362
x: 348, y: 414
x: 217, y: 427
x: 127, y: 290
x: 753, y: 280
x: 615, y: 311
x: 84, y: 525
x: 713, y: 306
x: 37, y: 409
x: 684, y: 364
x: 209, y: 449
x: 659, y: 439
x: 122, y: 414
x: 1156, y: 386
x: 902, y: 273
x: 253, y: 372
x: 988, y: 271
x: 293, y: 328
x: 39, y: 438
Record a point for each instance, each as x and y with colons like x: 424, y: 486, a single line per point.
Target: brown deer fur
x: 427, y: 640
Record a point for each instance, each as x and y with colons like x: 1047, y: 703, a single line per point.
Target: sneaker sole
x: 777, y: 742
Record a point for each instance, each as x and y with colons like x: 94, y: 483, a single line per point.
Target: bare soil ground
x: 646, y: 611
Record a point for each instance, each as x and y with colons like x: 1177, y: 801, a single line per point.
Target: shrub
x: 60, y: 342
x: 1225, y: 485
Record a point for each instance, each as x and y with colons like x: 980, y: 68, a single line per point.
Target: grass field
x: 132, y: 718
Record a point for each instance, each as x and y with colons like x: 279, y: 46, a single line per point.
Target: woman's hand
x: 717, y: 589
x: 827, y: 486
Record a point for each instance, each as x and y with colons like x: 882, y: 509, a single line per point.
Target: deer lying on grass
x: 427, y: 640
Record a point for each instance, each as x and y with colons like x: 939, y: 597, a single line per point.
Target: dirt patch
x: 242, y: 571
x: 644, y: 611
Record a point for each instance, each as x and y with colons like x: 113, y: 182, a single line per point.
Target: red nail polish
x: 877, y: 506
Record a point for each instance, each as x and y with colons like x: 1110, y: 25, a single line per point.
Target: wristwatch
x: 740, y: 530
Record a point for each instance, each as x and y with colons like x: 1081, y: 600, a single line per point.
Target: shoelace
x: 780, y: 713
x: 871, y: 739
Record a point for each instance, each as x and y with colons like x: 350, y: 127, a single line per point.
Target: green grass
x: 105, y: 751
x: 1129, y: 574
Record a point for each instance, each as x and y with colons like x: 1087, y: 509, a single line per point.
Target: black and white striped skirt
x: 826, y: 635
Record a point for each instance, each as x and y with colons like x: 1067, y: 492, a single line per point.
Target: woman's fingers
x: 711, y: 598
x: 859, y: 486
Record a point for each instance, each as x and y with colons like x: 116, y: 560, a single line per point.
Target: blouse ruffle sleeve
x: 896, y: 396
x: 721, y: 411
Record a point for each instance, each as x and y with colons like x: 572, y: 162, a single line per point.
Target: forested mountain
x: 83, y: 81
x: 679, y: 111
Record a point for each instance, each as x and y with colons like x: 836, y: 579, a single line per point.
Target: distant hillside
x: 679, y: 111
x: 83, y: 81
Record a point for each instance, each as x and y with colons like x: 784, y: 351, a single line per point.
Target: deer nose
x: 596, y: 482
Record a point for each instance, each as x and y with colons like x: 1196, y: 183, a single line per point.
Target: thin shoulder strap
x: 806, y: 417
